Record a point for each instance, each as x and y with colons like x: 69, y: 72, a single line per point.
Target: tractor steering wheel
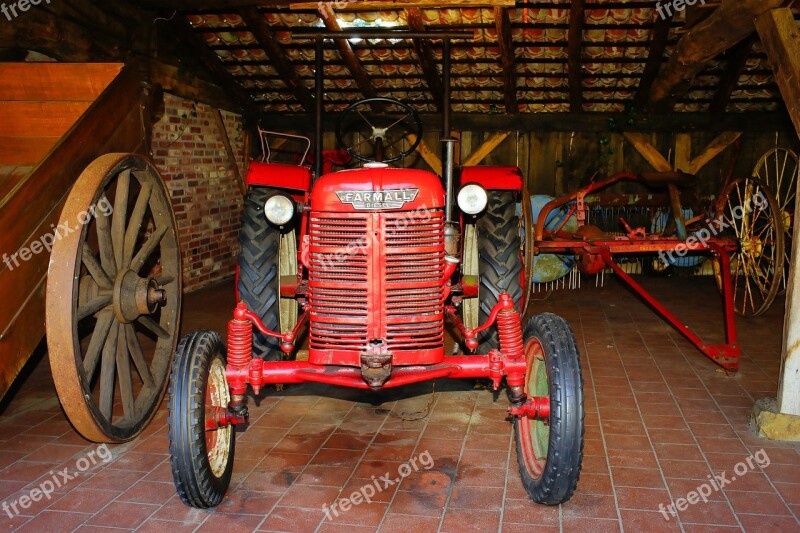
x: 376, y: 126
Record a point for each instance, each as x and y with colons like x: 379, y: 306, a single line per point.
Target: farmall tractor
x: 369, y: 264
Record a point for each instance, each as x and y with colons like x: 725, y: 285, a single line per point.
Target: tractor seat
x: 663, y: 179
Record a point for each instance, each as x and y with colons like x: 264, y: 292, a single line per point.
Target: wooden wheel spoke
x: 135, y: 349
x: 107, y: 371
x: 165, y: 279
x: 120, y: 215
x: 93, y: 306
x: 124, y: 376
x: 148, y: 248
x: 96, y: 343
x: 104, y: 242
x: 95, y: 269
x: 135, y: 223
x: 153, y: 326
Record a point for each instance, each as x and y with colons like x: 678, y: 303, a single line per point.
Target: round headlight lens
x: 472, y: 199
x: 279, y: 209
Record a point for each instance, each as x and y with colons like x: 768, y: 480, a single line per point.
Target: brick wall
x: 189, y: 152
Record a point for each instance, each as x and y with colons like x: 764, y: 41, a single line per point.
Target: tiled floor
x: 660, y: 419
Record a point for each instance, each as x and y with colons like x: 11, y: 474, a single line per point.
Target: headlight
x: 279, y: 209
x: 472, y: 199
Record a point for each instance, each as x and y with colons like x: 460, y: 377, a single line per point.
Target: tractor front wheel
x: 201, y: 455
x: 549, y: 452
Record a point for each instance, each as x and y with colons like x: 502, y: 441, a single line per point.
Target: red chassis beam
x: 304, y: 372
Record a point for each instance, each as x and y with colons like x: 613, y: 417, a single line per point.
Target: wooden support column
x: 505, y: 42
x: 226, y: 141
x: 348, y: 56
x: 781, y: 37
x: 729, y: 24
x: 577, y: 14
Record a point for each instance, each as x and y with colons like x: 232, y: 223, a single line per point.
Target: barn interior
x: 650, y: 118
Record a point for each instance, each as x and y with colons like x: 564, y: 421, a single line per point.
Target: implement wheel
x: 752, y: 214
x: 550, y: 452
x: 113, y: 298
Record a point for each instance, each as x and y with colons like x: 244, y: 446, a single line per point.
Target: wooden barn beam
x: 363, y: 5
x: 655, y: 60
x: 577, y: 16
x: 714, y: 148
x: 348, y: 56
x: 259, y: 27
x: 781, y: 38
x: 737, y: 61
x: 428, y: 155
x: 197, y: 48
x: 728, y: 25
x: 567, y: 122
x: 426, y: 58
x: 488, y: 146
x: 507, y: 59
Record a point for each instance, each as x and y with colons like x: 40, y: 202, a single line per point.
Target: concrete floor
x: 660, y: 420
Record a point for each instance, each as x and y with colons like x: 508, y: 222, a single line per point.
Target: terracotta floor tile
x: 292, y: 519
x: 641, y: 499
x: 637, y: 477
x: 248, y: 502
x: 400, y: 523
x: 309, y: 496
x: 54, y: 521
x: 123, y: 514
x: 152, y: 525
x: 418, y: 503
x: 84, y: 500
x: 484, y: 498
x: 649, y: 521
x: 527, y: 512
x: 591, y: 525
x: 230, y: 523
x: 590, y: 506
x: 475, y: 520
x: 768, y: 524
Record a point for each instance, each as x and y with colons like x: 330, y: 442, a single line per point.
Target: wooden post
x: 781, y: 37
x: 223, y: 133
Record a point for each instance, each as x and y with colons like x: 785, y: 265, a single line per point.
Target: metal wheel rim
x: 779, y: 169
x: 757, y: 266
x: 287, y: 267
x: 218, y: 440
x: 469, y: 267
x: 535, y: 434
x: 84, y: 402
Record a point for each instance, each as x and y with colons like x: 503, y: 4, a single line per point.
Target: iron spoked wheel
x: 114, y: 298
x: 266, y: 255
x: 750, y: 209
x: 493, y: 253
x: 201, y: 452
x: 779, y: 170
x: 550, y: 453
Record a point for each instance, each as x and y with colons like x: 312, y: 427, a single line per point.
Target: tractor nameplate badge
x: 388, y: 199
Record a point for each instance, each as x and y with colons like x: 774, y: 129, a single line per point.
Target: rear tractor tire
x: 493, y: 252
x: 265, y: 254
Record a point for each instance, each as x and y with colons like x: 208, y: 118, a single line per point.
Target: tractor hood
x: 374, y: 188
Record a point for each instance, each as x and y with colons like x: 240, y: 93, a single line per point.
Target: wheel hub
x: 753, y: 247
x: 135, y: 296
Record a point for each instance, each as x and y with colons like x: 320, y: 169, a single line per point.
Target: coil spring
x: 509, y: 329
x: 240, y: 343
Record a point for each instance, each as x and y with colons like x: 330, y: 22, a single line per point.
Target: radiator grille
x: 376, y: 276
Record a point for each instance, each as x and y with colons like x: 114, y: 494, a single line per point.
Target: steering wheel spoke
x: 383, y: 122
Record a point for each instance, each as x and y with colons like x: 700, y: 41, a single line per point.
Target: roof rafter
x: 426, y: 58
x: 737, y: 61
x: 184, y: 31
x: 348, y: 56
x: 658, y: 45
x: 259, y: 27
x: 507, y: 58
x: 577, y: 15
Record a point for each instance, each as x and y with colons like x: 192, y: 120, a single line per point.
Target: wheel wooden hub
x: 113, y: 298
x: 535, y: 434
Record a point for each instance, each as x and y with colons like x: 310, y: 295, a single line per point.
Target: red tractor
x: 369, y: 263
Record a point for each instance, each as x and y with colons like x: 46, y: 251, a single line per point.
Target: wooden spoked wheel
x: 779, y: 170
x: 749, y: 209
x: 114, y: 298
